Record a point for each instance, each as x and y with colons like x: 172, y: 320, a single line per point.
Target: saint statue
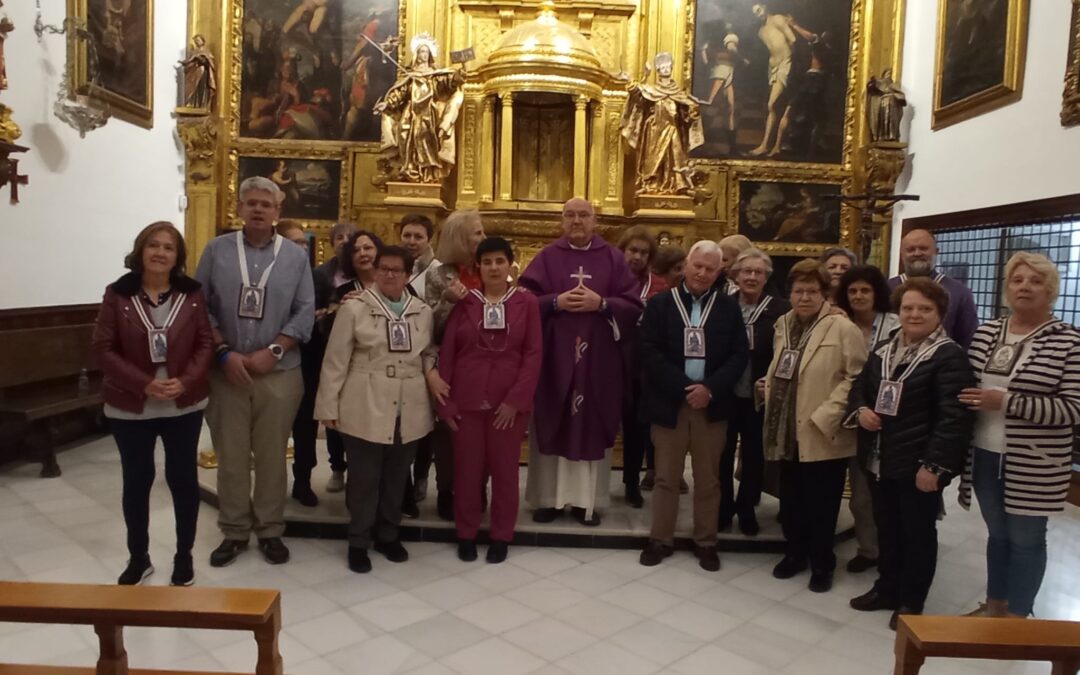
x: 419, y: 113
x: 885, y: 103
x: 6, y: 26
x: 200, y: 76
x: 662, y: 124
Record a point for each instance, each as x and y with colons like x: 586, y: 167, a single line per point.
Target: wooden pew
x: 919, y: 637
x: 109, y: 608
x: 39, y: 375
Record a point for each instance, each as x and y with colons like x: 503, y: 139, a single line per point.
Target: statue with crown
x: 418, y: 116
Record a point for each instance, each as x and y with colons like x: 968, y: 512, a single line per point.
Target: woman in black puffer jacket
x: 913, y: 436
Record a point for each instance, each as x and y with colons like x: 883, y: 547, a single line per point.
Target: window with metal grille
x: 977, y: 256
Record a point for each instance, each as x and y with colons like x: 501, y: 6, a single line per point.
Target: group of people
x: 409, y: 356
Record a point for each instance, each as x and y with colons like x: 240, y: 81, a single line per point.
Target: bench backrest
x: 30, y: 355
x: 214, y: 608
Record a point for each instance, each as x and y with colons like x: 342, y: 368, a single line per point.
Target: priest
x: 588, y: 300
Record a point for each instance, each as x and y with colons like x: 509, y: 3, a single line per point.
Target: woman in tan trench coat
x: 373, y: 391
x: 817, y: 355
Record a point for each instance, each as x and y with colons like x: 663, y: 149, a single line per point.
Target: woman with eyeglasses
x: 372, y: 390
x: 490, y: 356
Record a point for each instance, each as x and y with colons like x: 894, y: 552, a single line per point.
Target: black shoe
x: 137, y: 569
x: 445, y: 506
x: 789, y: 567
x: 633, y: 497
x: 820, y: 582
x: 183, y: 570
x: 274, y: 550
x: 359, y: 561
x: 708, y: 558
x: 748, y: 524
x: 227, y: 552
x: 872, y: 601
x: 496, y: 552
x: 579, y: 515
x: 410, y: 510
x: 393, y: 550
x: 466, y: 550
x: 545, y: 515
x: 723, y: 524
x: 654, y: 553
x: 303, y: 493
x: 860, y: 564
x: 901, y: 610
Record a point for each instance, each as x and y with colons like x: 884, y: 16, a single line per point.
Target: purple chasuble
x: 579, y: 397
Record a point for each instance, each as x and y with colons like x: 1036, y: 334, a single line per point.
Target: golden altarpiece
x: 542, y: 96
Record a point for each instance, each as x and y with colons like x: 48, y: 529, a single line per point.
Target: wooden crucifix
x: 9, y: 169
x: 870, y: 205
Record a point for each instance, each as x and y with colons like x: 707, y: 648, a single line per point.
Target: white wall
x: 87, y: 198
x: 1013, y: 154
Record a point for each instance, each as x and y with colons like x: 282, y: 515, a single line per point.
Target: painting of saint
x: 773, y: 74
x: 790, y: 213
x: 121, y: 32
x: 310, y: 187
x: 314, y: 69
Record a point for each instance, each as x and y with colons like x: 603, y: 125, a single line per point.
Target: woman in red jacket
x: 154, y: 343
x: 490, y: 357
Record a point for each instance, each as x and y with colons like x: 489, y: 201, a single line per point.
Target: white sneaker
x: 336, y: 482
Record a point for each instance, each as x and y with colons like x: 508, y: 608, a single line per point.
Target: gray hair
x: 704, y: 247
x: 753, y: 254
x: 834, y: 251
x: 339, y: 229
x: 259, y: 183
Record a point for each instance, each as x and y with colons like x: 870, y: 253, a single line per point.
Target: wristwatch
x: 277, y: 350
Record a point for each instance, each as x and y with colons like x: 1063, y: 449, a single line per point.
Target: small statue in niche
x: 200, y: 76
x: 885, y: 102
x: 662, y: 124
x: 419, y: 112
x: 6, y: 26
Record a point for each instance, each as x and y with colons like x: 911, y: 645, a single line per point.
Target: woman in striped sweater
x: 1028, y: 403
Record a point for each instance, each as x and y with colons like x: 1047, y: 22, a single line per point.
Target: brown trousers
x: 705, y: 442
x: 252, y: 423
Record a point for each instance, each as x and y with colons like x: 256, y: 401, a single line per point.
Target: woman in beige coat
x: 817, y: 355
x: 373, y: 391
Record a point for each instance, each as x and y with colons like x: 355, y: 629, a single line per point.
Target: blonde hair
x: 735, y: 243
x: 454, y: 245
x: 1039, y: 264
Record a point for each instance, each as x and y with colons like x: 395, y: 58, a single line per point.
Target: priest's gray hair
x: 262, y: 184
x: 753, y: 254
x: 704, y: 247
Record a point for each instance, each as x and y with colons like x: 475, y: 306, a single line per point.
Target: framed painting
x: 981, y: 49
x: 114, y: 61
x: 1070, y: 104
x: 311, y: 187
x: 313, y: 70
x: 773, y: 76
x: 788, y: 217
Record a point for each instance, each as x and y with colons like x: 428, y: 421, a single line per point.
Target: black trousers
x: 373, y: 488
x: 305, y: 429
x: 810, y: 494
x: 744, y: 423
x: 136, y: 440
x: 638, y: 449
x: 437, y: 447
x: 907, y: 539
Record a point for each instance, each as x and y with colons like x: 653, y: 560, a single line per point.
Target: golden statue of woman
x: 419, y: 113
x: 662, y: 124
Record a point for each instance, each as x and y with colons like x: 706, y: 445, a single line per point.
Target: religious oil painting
x: 310, y: 187
x: 789, y: 213
x: 981, y: 47
x: 1070, y: 103
x: 313, y: 70
x: 773, y: 78
x: 114, y: 58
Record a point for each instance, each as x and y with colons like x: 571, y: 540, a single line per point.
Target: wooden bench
x: 39, y: 384
x: 919, y: 637
x: 109, y: 608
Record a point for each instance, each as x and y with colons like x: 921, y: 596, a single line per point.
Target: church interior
x: 808, y: 128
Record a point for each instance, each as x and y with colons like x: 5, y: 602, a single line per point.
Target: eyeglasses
x: 391, y: 271
x: 749, y: 271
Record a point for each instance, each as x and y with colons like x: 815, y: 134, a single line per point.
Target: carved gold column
x: 581, y: 104
x: 487, y: 159
x: 599, y: 155
x: 506, y: 148
x: 199, y: 136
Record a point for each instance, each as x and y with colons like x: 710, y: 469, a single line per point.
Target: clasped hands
x: 240, y: 367
x: 505, y: 414
x: 165, y: 390
x: 580, y: 299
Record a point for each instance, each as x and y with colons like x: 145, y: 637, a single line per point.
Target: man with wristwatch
x: 262, y: 305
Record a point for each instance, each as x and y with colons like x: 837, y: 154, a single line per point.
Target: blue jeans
x: 1016, y: 548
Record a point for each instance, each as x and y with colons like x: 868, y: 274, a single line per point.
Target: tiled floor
x: 586, y: 611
